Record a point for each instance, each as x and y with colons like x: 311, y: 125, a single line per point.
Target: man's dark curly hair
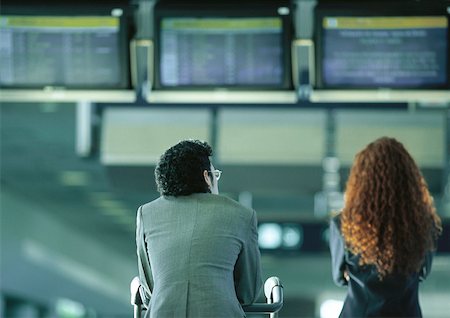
x: 180, y: 169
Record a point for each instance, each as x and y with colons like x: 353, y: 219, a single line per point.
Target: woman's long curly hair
x: 389, y: 219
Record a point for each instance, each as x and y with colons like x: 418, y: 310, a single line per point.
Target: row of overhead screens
x: 212, y: 53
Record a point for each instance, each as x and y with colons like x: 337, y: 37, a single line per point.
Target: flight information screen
x: 387, y: 52
x: 221, y: 52
x: 78, y: 52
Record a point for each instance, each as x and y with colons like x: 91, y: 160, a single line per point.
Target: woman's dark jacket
x: 368, y: 296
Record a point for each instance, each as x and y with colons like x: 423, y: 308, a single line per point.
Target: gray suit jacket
x: 198, y: 256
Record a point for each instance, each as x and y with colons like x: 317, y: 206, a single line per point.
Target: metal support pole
x: 446, y: 168
x: 330, y: 198
x: 83, y: 142
x: 330, y: 134
x: 213, y: 133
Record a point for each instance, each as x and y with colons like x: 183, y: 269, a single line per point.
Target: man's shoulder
x: 205, y: 199
x: 152, y: 204
x: 225, y: 202
x: 232, y: 203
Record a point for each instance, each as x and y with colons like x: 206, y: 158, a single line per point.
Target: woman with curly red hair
x: 383, y: 240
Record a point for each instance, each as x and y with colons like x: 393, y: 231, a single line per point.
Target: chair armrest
x: 134, y: 292
x: 273, y: 290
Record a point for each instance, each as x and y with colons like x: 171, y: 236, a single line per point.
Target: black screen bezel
x: 223, y: 10
x: 62, y: 10
x: 372, y: 9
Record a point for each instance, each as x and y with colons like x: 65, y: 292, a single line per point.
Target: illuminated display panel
x: 385, y: 51
x: 85, y: 52
x: 221, y: 51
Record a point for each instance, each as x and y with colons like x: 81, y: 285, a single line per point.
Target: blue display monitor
x: 362, y: 47
x: 63, y: 48
x: 213, y: 46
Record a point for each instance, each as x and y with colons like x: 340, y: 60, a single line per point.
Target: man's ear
x: 207, y: 178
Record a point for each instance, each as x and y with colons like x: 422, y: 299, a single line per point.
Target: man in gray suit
x: 197, y: 251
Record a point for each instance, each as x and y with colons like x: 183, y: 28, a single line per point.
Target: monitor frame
x: 82, y: 10
x: 264, y: 9
x: 372, y: 9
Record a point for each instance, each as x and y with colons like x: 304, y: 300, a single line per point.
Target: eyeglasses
x: 217, y: 173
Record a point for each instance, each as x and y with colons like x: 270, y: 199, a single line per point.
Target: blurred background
x: 78, y: 150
